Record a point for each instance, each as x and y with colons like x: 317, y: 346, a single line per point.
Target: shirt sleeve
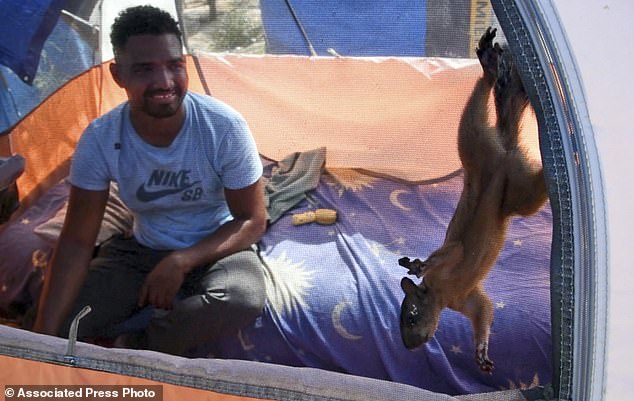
x: 241, y: 165
x: 88, y: 169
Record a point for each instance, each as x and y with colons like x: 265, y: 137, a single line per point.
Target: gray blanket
x: 291, y: 179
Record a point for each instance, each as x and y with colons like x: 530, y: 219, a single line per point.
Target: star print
x: 500, y: 305
x: 518, y: 242
x: 375, y: 248
x: 39, y: 258
x: 25, y: 221
x: 455, y: 349
x: 524, y: 386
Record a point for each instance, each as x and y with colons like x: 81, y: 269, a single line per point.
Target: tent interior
x: 362, y: 100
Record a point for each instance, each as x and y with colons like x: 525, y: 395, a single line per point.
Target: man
x: 188, y: 169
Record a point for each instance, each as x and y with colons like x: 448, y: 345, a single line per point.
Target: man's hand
x: 249, y: 223
x: 162, y: 284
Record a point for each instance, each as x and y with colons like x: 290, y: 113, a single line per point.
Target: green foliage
x: 236, y: 29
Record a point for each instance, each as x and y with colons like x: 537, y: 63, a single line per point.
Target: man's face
x: 151, y: 68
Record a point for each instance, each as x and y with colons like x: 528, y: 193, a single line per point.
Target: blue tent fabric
x: 334, y: 294
x: 351, y: 28
x: 23, y: 31
x: 69, y: 50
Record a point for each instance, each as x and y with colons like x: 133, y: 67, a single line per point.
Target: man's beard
x: 162, y: 110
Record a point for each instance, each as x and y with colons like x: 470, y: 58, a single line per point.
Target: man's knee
x: 245, y: 287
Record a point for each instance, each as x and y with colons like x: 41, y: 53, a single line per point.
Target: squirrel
x: 499, y: 182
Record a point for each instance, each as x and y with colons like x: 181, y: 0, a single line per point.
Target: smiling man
x: 187, y: 167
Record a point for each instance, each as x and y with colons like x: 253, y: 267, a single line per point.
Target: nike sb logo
x: 164, y: 183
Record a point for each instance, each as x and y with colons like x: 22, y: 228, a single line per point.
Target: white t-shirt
x: 175, y: 193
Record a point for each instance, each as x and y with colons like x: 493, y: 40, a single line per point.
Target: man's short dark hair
x: 141, y: 20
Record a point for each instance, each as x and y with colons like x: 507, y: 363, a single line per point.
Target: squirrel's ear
x: 408, y: 285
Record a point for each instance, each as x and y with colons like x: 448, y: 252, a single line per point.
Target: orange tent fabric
x: 394, y: 116
x: 381, y: 115
x: 47, y: 374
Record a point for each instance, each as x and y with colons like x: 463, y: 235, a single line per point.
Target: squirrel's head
x: 419, y: 314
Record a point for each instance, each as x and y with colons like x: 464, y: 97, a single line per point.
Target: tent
x: 373, y: 93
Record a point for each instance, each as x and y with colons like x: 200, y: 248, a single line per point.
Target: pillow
x: 117, y: 219
x: 24, y: 254
x: 27, y: 241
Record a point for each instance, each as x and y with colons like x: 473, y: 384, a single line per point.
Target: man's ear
x: 116, y: 74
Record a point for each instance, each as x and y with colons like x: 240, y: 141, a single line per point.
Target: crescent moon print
x: 336, y: 322
x: 395, y: 201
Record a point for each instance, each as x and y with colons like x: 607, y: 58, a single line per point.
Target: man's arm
x: 246, y: 228
x: 71, y: 258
